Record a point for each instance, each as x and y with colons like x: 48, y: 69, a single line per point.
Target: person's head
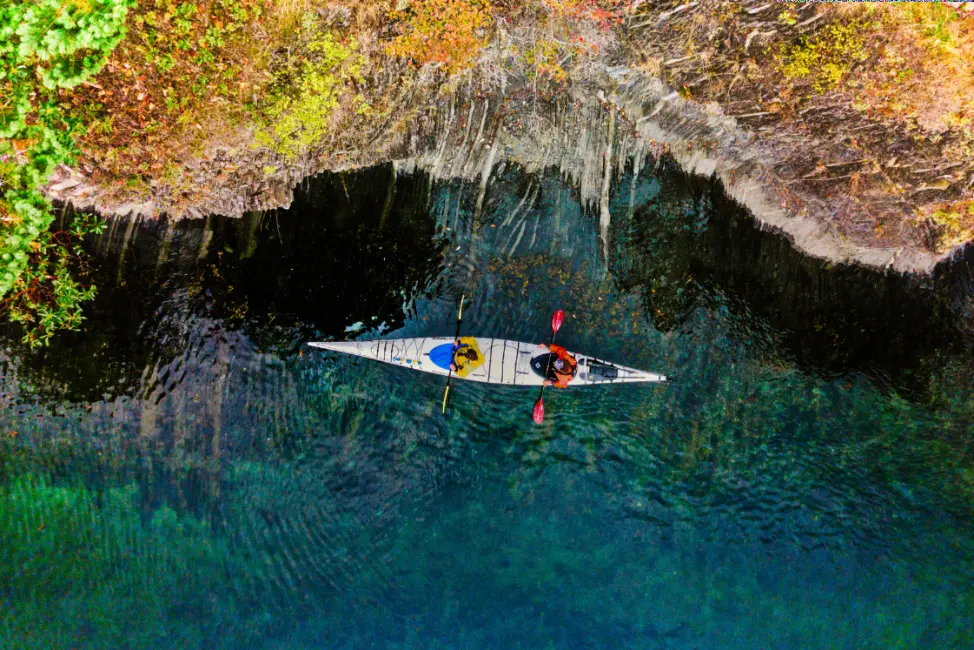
x: 469, y: 354
x: 563, y: 368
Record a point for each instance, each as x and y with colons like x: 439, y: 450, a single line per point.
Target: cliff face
x: 590, y: 136
x: 706, y: 142
x: 806, y: 116
x: 593, y: 137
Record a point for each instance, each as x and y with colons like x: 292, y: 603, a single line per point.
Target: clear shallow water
x: 186, y: 473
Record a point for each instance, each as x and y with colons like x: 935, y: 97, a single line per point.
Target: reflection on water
x: 185, y: 473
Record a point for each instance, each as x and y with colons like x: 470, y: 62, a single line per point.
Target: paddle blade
x: 539, y: 411
x: 445, y: 393
x: 556, y: 320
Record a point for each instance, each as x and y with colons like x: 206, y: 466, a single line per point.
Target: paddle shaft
x: 456, y: 337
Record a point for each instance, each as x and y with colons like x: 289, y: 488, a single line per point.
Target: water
x: 187, y: 473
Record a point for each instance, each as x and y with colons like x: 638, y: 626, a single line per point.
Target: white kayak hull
x: 499, y: 361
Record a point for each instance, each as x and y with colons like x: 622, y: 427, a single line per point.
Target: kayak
x: 491, y: 361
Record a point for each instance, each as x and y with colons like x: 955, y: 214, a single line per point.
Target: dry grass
x: 358, y: 16
x: 923, y: 68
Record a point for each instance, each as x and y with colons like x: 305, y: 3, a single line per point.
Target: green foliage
x: 45, y: 45
x: 47, y: 297
x: 826, y: 57
x: 70, y: 40
x: 955, y: 223
x: 57, y: 43
x: 788, y: 17
x: 310, y: 86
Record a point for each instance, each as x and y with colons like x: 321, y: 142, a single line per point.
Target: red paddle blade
x: 557, y: 319
x: 539, y: 412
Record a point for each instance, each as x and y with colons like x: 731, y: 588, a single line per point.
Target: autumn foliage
x: 447, y: 33
x: 451, y: 33
x: 601, y: 13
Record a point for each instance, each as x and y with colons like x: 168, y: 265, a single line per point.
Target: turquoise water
x: 187, y: 473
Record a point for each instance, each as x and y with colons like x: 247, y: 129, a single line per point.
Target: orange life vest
x: 567, y: 373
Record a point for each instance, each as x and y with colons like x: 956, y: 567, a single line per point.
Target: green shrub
x: 309, y: 87
x: 826, y: 57
x: 954, y: 222
x: 45, y: 45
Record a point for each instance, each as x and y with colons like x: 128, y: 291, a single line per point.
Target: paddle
x: 456, y: 337
x: 556, y: 320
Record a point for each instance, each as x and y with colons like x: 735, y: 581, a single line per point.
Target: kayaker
x: 462, y: 353
x: 562, y: 369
